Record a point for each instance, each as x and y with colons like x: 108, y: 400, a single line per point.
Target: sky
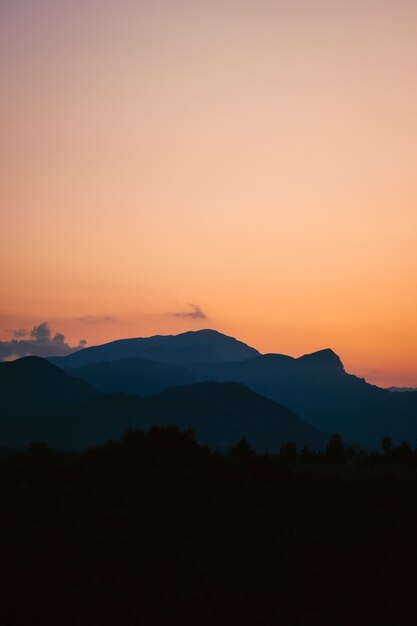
x: 248, y: 166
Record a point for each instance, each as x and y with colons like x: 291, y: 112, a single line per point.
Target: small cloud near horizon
x: 97, y: 319
x: 18, y: 333
x: 38, y: 342
x: 196, y: 313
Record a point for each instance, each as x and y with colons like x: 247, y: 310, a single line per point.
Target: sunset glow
x: 243, y: 166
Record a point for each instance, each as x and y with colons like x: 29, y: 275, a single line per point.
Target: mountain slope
x: 219, y: 413
x: 43, y: 403
x: 315, y: 386
x: 29, y: 389
x: 202, y: 346
x: 135, y: 375
x: 222, y: 413
x: 32, y: 382
x: 318, y: 389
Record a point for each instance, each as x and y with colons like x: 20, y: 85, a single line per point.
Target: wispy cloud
x: 39, y: 341
x: 196, y: 313
x: 18, y: 333
x: 97, y: 319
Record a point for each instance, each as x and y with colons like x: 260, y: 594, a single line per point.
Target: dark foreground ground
x: 157, y: 530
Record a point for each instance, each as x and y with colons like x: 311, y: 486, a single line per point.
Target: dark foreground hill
x: 45, y: 404
x: 157, y: 531
x: 32, y: 382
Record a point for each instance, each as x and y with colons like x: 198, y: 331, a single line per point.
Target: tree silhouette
x: 288, y: 453
x: 335, y: 451
x: 242, y: 450
x: 387, y: 446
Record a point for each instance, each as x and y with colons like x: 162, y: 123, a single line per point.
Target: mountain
x: 318, y: 389
x: 30, y: 388
x: 43, y: 403
x: 134, y: 375
x: 202, y: 346
x: 219, y: 413
x: 32, y: 383
x: 315, y: 386
x: 401, y: 389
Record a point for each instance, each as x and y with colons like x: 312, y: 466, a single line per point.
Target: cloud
x: 18, y: 333
x: 41, y: 333
x: 39, y: 341
x: 196, y: 313
x: 59, y: 339
x: 97, y: 319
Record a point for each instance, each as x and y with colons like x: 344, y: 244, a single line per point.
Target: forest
x: 156, y: 529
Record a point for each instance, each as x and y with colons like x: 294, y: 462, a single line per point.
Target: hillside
x: 45, y: 404
x: 315, y: 386
x: 135, y: 375
x: 202, y: 346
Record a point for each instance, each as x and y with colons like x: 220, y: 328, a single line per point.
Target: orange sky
x: 257, y: 159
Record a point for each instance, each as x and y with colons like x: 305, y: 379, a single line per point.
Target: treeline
x: 156, y: 529
x: 336, y: 453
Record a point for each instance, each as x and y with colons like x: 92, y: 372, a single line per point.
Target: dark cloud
x: 39, y: 341
x: 59, y: 339
x: 196, y: 313
x: 41, y: 333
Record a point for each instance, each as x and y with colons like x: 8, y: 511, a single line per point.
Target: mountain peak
x: 323, y: 358
x: 30, y: 365
x: 200, y: 346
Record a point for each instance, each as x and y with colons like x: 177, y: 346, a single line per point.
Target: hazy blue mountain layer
x: 314, y: 386
x: 41, y: 402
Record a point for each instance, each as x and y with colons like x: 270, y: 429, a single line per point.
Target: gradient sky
x: 254, y: 158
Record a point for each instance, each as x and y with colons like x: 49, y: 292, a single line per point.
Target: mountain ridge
x: 79, y: 416
x: 205, y: 345
x: 315, y: 386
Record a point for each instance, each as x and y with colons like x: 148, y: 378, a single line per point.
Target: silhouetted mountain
x: 219, y: 413
x: 29, y: 389
x: 222, y: 413
x: 202, y: 346
x: 401, y: 389
x: 323, y: 359
x: 135, y: 376
x: 318, y: 389
x: 315, y: 386
x: 33, y: 383
x: 43, y: 403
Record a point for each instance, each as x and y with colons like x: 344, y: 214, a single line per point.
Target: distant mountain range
x: 42, y: 403
x: 314, y: 386
x: 93, y: 397
x: 318, y: 389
